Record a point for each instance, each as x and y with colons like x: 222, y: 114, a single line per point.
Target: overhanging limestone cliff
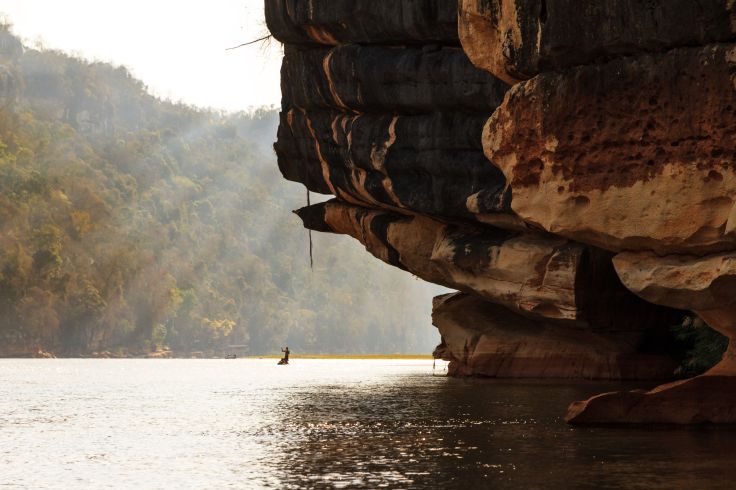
x: 621, y: 136
x: 392, y: 126
x: 618, y: 138
x: 480, y: 337
x: 542, y: 277
x: 303, y: 22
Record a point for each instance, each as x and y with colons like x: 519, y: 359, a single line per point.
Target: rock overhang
x: 618, y: 139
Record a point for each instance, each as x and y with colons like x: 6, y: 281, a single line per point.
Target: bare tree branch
x: 264, y: 38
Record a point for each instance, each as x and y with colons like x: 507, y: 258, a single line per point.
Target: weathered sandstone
x: 333, y: 22
x: 394, y: 128
x: 533, y: 275
x: 700, y: 400
x: 620, y: 138
x: 482, y: 338
x: 705, y: 285
x: 702, y: 284
x: 518, y: 39
x: 537, y: 276
x: 431, y: 164
x: 635, y: 153
x: 387, y: 79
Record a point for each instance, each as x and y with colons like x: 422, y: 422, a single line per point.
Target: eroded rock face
x: 531, y: 275
x: 537, y: 276
x: 705, y: 285
x: 388, y: 79
x: 430, y: 163
x: 620, y: 138
x: 333, y: 22
x: 383, y: 109
x: 635, y: 153
x: 701, y: 284
x: 518, y: 39
x: 700, y: 400
x: 392, y: 127
x: 482, y: 338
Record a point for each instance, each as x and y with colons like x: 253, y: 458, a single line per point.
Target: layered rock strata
x: 390, y: 127
x: 390, y: 120
x: 541, y: 277
x: 622, y: 137
x: 707, y: 286
x: 634, y: 153
x: 617, y: 138
x: 324, y: 22
x: 480, y: 337
x: 518, y: 39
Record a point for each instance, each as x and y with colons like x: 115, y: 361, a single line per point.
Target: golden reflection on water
x: 324, y: 424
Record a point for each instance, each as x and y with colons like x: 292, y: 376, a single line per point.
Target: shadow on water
x: 423, y: 431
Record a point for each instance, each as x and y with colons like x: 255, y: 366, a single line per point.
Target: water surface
x: 323, y: 424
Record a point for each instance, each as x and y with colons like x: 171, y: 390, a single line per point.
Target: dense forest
x: 130, y: 224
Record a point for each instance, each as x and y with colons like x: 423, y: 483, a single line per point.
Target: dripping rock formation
x: 568, y: 169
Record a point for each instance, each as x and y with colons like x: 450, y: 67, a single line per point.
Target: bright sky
x: 177, y: 47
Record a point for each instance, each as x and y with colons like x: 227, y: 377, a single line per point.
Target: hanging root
x: 311, y: 257
x: 260, y: 39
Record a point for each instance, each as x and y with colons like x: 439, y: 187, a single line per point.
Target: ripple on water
x: 322, y: 424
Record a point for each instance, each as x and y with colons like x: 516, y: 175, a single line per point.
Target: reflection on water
x: 334, y: 424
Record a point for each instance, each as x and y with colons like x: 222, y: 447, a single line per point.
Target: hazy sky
x: 177, y: 47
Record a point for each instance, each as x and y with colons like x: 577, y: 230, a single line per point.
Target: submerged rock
x: 707, y: 399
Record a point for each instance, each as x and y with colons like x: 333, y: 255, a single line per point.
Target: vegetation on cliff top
x: 131, y: 223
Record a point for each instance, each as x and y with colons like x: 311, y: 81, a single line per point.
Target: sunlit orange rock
x: 634, y: 153
x: 541, y: 277
x: 616, y: 137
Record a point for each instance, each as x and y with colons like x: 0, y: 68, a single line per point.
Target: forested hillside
x: 130, y: 224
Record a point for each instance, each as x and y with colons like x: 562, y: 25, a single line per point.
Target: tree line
x: 131, y: 224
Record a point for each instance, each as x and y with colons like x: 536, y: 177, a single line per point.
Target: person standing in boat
x: 286, y: 354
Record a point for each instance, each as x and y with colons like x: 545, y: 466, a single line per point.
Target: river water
x: 323, y: 424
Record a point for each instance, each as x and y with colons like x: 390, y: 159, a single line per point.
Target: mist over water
x: 323, y: 424
x: 130, y: 224
x: 133, y: 225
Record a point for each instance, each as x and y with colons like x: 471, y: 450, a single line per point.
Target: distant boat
x: 231, y: 356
